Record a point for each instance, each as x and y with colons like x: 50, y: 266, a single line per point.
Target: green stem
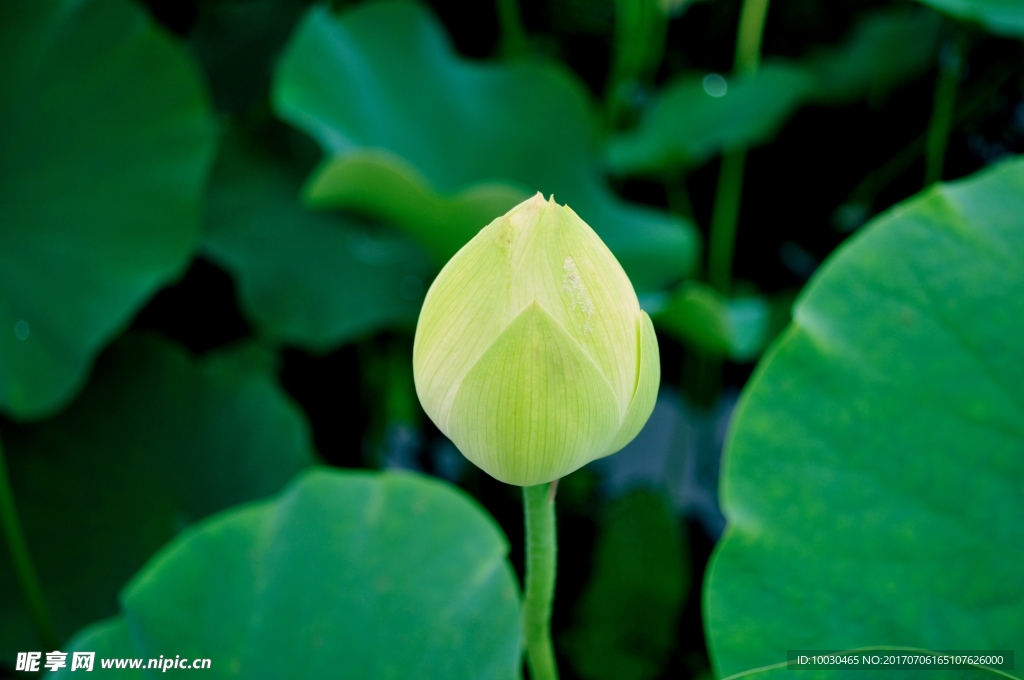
x: 730, y: 176
x: 724, y: 220
x: 541, y: 549
x: 748, y: 39
x: 513, y: 33
x: 702, y: 378
x: 678, y: 196
x: 942, y: 110
x: 638, y: 47
x: 968, y: 104
x: 25, y: 572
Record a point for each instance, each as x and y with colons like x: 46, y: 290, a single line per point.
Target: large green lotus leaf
x: 627, y: 616
x: 155, y: 441
x: 346, y: 575
x: 384, y: 76
x: 886, y: 48
x: 307, y: 278
x: 106, y: 140
x: 687, y: 125
x: 1002, y: 17
x: 873, y: 473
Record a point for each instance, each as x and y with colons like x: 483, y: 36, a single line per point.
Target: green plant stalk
x: 726, y: 212
x: 702, y: 378
x: 942, y: 111
x: 749, y: 37
x: 704, y: 372
x: 638, y: 46
x: 541, y: 558
x: 22, y: 560
x: 967, y: 105
x: 678, y: 196
x: 513, y: 33
x: 724, y: 219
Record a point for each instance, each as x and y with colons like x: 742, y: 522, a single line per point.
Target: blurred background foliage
x: 218, y: 219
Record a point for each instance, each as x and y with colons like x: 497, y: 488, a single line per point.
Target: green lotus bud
x: 532, y: 353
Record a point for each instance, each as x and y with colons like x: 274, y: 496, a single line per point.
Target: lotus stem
x: 514, y: 42
x: 724, y: 219
x: 541, y: 558
x: 22, y: 560
x: 942, y: 110
x: 730, y: 175
x: 749, y: 37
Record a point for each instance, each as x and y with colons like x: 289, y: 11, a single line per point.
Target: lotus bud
x: 532, y: 353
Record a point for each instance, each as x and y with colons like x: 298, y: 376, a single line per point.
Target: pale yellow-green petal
x: 534, y: 407
x: 646, y: 394
x: 558, y: 260
x: 462, y: 314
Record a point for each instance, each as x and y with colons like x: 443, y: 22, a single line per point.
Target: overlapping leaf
x: 379, y: 183
x: 692, y: 122
x: 154, y: 442
x: 346, y: 575
x: 384, y: 78
x: 1002, y: 17
x: 873, y: 475
x: 307, y: 278
x: 237, y: 42
x: 737, y: 328
x: 885, y: 49
x: 106, y: 141
x: 689, y: 124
